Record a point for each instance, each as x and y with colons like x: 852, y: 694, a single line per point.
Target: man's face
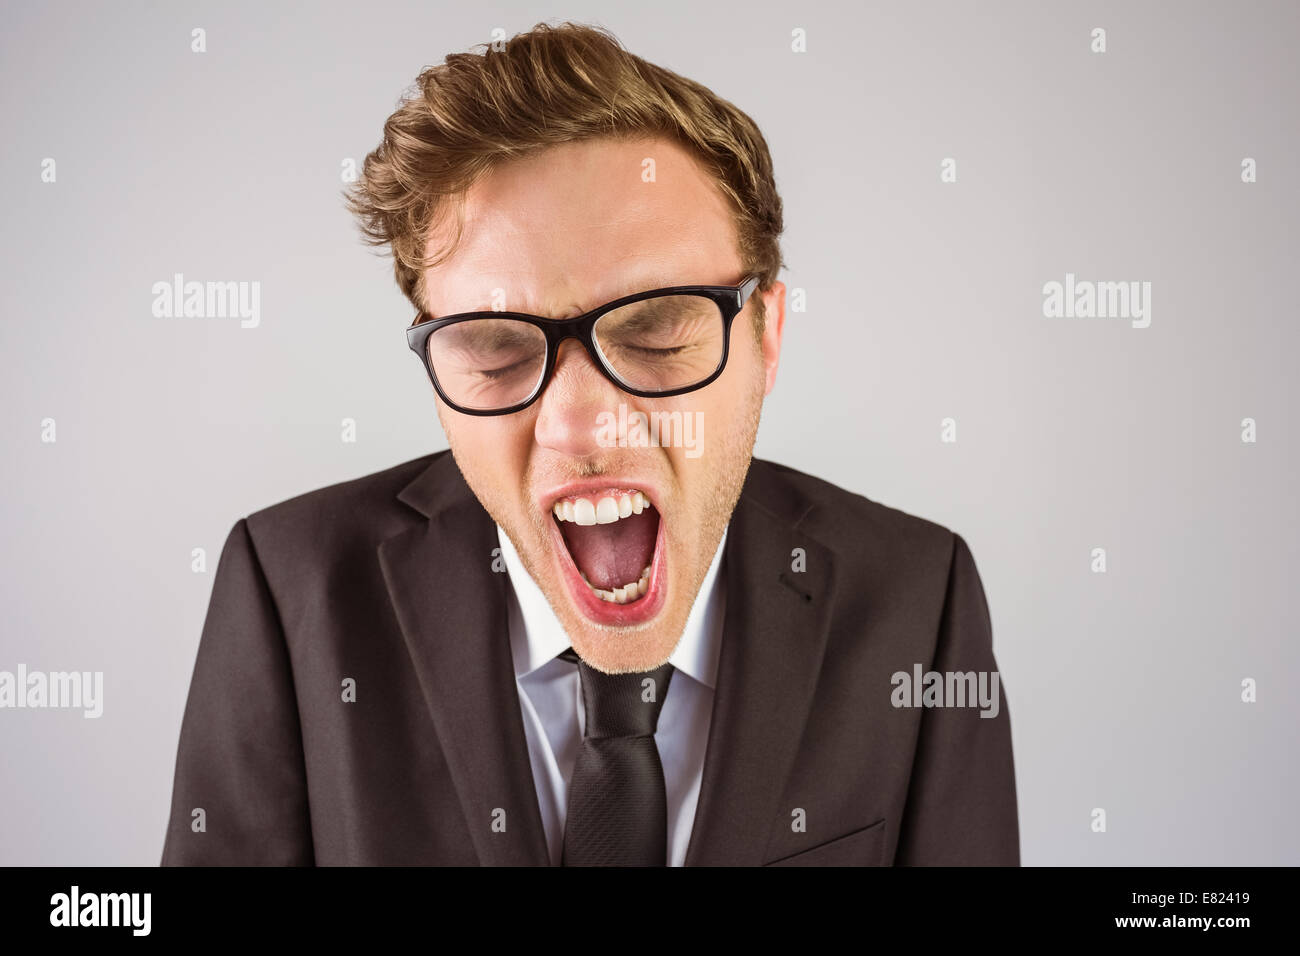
x: 557, y: 234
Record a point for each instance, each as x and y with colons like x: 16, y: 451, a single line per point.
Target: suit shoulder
x: 894, y: 569
x: 365, y: 507
x: 849, y: 522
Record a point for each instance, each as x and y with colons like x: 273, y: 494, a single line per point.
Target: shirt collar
x: 695, y: 655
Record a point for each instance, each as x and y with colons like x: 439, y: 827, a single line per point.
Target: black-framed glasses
x: 652, y: 344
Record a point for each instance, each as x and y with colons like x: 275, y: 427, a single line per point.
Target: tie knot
x: 621, y: 705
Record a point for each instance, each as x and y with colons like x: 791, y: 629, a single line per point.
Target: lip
x: 593, y: 608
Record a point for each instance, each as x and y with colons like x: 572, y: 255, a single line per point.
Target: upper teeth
x: 604, y: 510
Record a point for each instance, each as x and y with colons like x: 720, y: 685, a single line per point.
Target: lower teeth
x: 627, y: 593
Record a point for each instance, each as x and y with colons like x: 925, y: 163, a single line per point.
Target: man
x: 596, y: 632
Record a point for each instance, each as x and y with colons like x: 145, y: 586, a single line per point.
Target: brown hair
x: 552, y: 85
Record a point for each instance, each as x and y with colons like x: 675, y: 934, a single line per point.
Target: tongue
x: 612, y: 555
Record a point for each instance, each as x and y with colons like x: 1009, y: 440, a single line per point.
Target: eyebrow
x: 643, y: 284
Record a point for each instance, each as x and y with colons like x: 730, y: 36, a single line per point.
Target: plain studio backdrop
x: 923, y: 301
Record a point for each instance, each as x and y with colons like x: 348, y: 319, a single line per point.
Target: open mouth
x: 612, y: 540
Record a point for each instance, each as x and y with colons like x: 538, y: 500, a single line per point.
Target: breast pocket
x: 863, y: 847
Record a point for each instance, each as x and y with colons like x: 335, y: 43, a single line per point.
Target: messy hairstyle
x: 551, y: 85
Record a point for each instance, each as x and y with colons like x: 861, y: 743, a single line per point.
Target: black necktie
x: 618, y: 809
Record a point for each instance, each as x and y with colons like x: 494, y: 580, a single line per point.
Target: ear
x: 773, y: 327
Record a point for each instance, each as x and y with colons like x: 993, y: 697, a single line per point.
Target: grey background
x: 924, y: 301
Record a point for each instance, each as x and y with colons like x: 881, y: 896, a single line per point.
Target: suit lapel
x: 452, y: 610
x: 774, y: 636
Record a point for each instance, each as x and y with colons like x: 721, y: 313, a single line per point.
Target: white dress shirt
x: 550, y: 696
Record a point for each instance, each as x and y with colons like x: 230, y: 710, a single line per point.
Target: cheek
x: 492, y: 453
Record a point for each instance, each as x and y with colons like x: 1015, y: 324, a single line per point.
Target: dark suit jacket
x: 388, y: 580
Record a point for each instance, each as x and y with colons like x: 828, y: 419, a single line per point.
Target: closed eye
x: 654, y: 352
x: 494, y: 374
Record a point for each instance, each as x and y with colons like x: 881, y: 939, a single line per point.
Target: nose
x: 569, y: 410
